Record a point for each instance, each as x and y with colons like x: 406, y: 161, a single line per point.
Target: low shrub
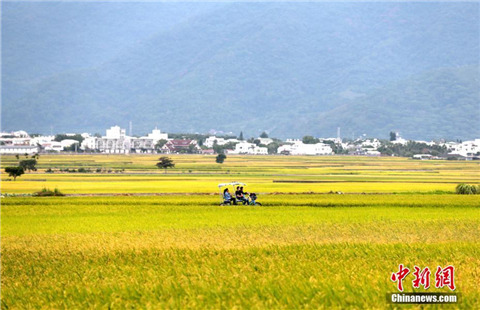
x: 47, y: 192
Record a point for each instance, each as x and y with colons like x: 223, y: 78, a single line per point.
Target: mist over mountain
x: 288, y: 68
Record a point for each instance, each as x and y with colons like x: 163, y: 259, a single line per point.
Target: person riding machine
x: 240, y: 196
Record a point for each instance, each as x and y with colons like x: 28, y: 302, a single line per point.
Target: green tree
x: 192, y: 149
x: 241, y: 136
x: 264, y: 135
x: 219, y: 149
x: 310, y: 140
x: 28, y: 164
x: 272, y: 147
x: 61, y: 137
x: 14, y: 172
x: 165, y: 162
x: 336, y: 148
x: 393, y: 136
x: 160, y: 144
x: 220, y: 158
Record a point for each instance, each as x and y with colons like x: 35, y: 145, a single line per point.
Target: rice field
x: 303, y: 249
x: 264, y: 174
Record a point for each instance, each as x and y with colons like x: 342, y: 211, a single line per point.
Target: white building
x: 467, y: 148
x: 117, y: 142
x: 300, y: 148
x: 422, y: 156
x: 41, y: 140
x: 52, y: 146
x: 15, y: 138
x: 88, y: 143
x: 146, y: 144
x: 265, y: 141
x: 210, y: 141
x: 372, y: 144
x: 68, y: 142
x: 249, y: 148
x: 156, y: 136
x: 114, y: 142
x: 115, y: 132
x: 18, y: 149
x: 400, y: 140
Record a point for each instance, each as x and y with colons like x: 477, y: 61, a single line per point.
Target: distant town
x: 116, y: 141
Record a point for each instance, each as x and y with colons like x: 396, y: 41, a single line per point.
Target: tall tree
x: 241, y: 136
x: 310, y: 140
x: 165, y: 162
x: 220, y: 158
x: 28, y: 164
x: 160, y: 144
x: 264, y: 135
x: 393, y: 136
x: 14, y: 172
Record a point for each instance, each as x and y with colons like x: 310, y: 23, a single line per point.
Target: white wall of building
x: 18, y: 150
x: 115, y: 132
x: 156, y: 135
x: 88, y: 143
x: 300, y: 148
x: 249, y: 148
x: 466, y: 148
x: 41, y: 140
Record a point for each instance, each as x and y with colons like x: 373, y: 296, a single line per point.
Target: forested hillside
x: 287, y: 68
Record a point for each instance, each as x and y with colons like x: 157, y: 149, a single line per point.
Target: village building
x: 265, y: 141
x: 18, y: 149
x: 176, y: 146
x: 40, y: 140
x: 68, y: 142
x: 422, y: 156
x: 117, y: 142
x: 249, y: 148
x: 207, y: 152
x: 88, y: 144
x: 156, y: 135
x: 114, y: 142
x: 300, y: 148
x: 15, y: 138
x: 371, y: 144
x: 212, y: 140
x: 52, y: 146
x: 466, y: 149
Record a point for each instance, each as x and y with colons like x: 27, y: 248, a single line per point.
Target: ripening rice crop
x: 301, y: 251
x: 180, y: 249
x: 264, y: 174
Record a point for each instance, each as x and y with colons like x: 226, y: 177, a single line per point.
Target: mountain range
x: 290, y: 69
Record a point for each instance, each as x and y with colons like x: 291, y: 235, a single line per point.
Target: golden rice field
x: 264, y: 174
x: 308, y: 250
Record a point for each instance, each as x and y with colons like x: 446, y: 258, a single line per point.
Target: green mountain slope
x: 443, y: 103
x: 282, y: 67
